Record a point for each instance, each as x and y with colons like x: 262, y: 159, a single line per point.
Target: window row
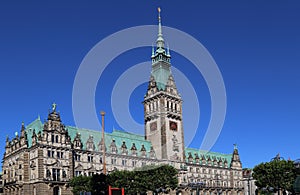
x: 207, y: 171
x: 55, y: 154
x: 125, y: 162
x: 55, y: 174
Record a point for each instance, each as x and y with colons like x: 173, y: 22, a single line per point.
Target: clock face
x: 153, y: 126
x: 173, y: 126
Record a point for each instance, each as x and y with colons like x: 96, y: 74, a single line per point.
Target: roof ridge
x: 210, y: 152
x: 33, y: 122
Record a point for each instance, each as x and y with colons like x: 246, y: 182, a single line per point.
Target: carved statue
x: 175, y: 144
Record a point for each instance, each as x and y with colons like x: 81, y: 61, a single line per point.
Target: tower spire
x: 160, y: 40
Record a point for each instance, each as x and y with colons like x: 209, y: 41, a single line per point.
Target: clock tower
x: 163, y: 105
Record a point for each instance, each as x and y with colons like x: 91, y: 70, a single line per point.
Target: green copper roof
x: 161, y: 77
x: 161, y: 64
x: 36, y: 125
x: 208, y: 154
x: 117, y: 135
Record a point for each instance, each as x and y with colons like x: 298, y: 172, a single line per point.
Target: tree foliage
x: 147, y: 178
x: 80, y: 184
x: 99, y: 184
x: 140, y: 180
x: 96, y: 184
x: 275, y: 175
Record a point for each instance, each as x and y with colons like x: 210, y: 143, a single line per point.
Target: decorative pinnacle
x: 102, y: 113
x: 159, y: 22
x: 160, y: 39
x: 159, y: 10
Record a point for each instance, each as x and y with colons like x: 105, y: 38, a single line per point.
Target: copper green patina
x: 120, y: 137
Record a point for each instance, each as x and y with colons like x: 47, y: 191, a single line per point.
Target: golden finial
x: 158, y: 9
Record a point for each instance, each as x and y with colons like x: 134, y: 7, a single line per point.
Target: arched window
x: 56, y: 139
x: 56, y: 190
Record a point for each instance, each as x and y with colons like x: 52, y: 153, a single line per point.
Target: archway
x: 56, y: 190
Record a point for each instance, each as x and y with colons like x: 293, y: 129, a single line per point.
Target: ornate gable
x: 77, y: 144
x: 171, y: 86
x: 90, y: 143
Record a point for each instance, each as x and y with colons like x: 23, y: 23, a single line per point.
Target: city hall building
x: 44, y: 156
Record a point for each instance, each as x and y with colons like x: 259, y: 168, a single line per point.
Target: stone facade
x: 48, y: 154
x: 249, y: 182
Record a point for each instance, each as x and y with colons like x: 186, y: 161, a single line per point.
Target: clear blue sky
x: 256, y: 45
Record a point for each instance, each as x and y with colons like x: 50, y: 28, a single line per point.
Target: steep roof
x: 208, y: 154
x: 119, y: 137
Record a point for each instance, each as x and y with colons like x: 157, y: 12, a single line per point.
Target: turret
x: 235, y: 160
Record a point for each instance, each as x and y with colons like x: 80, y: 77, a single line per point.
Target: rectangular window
x: 56, y: 174
x: 143, y: 163
x: 52, y: 138
x: 61, y: 155
x: 133, y: 163
x: 91, y: 173
x: 49, y: 153
x: 90, y: 158
x: 124, y: 162
x: 113, y: 161
x: 77, y: 157
x: 20, y: 177
x: 77, y: 173
x: 58, y: 154
x: 52, y: 154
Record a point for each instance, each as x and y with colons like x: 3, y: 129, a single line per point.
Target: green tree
x: 99, y: 184
x: 146, y: 178
x: 275, y: 175
x: 80, y: 184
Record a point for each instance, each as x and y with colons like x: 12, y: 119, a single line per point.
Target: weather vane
x: 235, y: 146
x: 54, y: 106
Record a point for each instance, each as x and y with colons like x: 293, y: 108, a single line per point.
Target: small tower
x: 235, y: 160
x: 163, y: 105
x: 23, y: 137
x: 54, y: 130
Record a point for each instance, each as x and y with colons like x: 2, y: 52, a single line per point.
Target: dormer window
x: 143, y: 151
x: 152, y: 153
x: 113, y: 147
x: 133, y: 149
x: 190, y: 158
x: 77, y: 141
x: 124, y: 148
x: 90, y: 143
